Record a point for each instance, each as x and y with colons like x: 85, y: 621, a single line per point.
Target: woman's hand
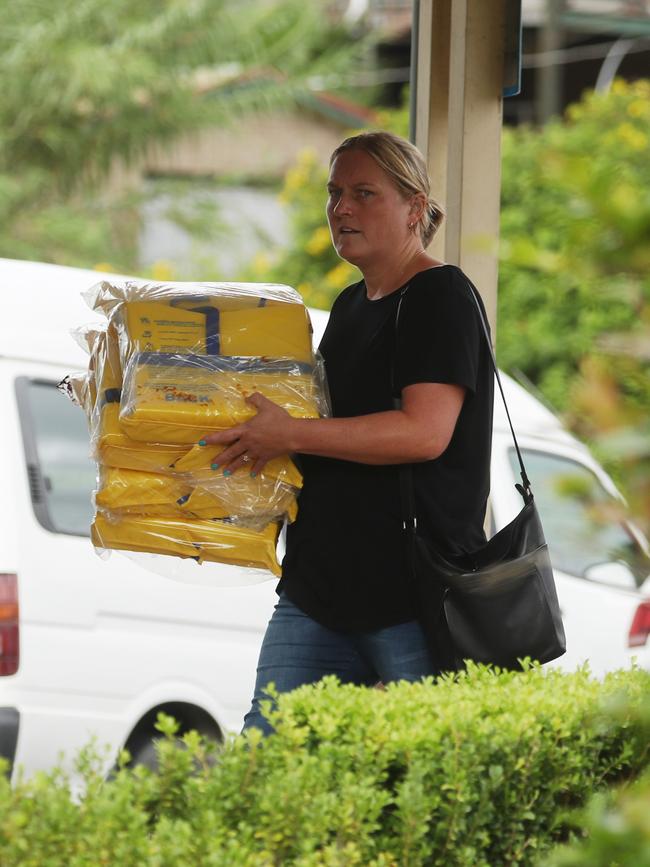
x: 267, y: 435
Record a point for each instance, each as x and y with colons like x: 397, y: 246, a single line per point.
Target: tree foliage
x: 88, y: 81
x: 574, y: 290
x: 575, y: 225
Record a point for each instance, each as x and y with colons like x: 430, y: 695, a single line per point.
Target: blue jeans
x: 297, y: 650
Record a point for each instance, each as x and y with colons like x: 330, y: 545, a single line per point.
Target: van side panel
x: 104, y: 640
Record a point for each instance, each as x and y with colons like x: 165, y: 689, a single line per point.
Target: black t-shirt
x: 345, y: 563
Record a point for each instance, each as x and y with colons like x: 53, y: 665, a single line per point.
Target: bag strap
x: 524, y: 476
x: 406, y: 479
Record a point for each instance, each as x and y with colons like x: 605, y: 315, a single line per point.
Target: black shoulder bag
x: 497, y: 604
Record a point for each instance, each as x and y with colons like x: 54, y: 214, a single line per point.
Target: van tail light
x: 8, y: 623
x: 640, y: 628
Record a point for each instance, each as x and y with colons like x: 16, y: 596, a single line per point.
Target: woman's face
x: 367, y: 215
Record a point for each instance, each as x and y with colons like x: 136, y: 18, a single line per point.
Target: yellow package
x: 225, y: 298
x: 142, y: 533
x: 169, y: 512
x: 122, y: 488
x: 272, y: 331
x: 202, y: 504
x: 156, y: 327
x: 240, y: 546
x: 196, y: 463
x: 177, y: 399
x: 103, y: 376
x: 216, y: 541
x: 110, y: 366
x: 104, y: 365
x: 114, y: 449
x: 251, y: 501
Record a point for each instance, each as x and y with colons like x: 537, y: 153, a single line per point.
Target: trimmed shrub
x: 615, y: 823
x: 477, y: 769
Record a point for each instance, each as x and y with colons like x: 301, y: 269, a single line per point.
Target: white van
x: 97, y: 648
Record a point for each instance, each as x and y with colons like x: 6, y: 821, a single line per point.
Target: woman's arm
x: 419, y: 431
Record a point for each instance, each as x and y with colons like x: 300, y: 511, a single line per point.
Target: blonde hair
x: 405, y: 165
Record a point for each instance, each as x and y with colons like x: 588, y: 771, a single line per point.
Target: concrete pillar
x: 458, y: 129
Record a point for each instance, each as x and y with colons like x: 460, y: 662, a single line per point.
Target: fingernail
x: 227, y: 473
x: 202, y: 443
x: 214, y: 466
x: 253, y: 474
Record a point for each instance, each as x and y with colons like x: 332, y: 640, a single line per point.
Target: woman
x: 346, y: 604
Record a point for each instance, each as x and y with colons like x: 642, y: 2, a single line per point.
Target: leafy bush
x: 618, y: 828
x: 472, y: 770
x: 616, y: 823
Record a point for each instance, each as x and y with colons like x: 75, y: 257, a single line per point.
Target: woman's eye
x: 365, y: 194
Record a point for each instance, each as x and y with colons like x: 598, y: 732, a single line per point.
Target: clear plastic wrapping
x: 178, y: 398
x: 216, y: 541
x: 174, y: 362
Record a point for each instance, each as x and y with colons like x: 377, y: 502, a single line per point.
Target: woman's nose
x: 342, y: 206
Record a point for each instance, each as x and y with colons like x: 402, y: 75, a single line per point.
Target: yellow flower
x: 339, y: 276
x: 620, y: 86
x: 641, y: 87
x: 320, y: 300
x: 163, y: 271
x: 639, y: 108
x: 319, y: 241
x: 625, y: 199
x: 307, y: 158
x: 297, y: 177
x: 633, y: 137
x: 105, y: 266
x: 304, y: 288
x: 261, y: 263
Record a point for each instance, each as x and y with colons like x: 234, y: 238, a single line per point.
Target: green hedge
x: 475, y: 770
x: 613, y: 830
x: 617, y: 825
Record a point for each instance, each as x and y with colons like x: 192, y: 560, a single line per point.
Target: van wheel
x: 142, y: 740
x: 144, y: 753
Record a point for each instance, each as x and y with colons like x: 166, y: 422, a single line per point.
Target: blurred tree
x: 574, y: 290
x: 89, y: 81
x: 575, y: 229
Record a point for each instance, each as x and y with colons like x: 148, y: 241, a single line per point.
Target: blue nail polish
x: 227, y: 473
x: 214, y: 466
x: 253, y: 475
x: 202, y: 443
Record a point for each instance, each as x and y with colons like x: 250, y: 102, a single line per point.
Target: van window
x: 580, y: 533
x: 61, y: 474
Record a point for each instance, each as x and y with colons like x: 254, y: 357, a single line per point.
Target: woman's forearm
x: 390, y: 437
x: 420, y: 431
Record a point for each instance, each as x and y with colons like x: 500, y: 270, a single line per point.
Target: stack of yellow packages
x: 173, y: 363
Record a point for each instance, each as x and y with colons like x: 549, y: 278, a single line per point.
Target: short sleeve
x: 439, y: 333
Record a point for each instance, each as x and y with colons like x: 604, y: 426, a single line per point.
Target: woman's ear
x: 418, y: 207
